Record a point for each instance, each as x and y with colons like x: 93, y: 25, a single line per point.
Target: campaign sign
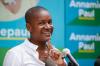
x: 82, y: 30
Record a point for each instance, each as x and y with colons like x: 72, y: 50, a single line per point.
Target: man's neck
x: 41, y: 44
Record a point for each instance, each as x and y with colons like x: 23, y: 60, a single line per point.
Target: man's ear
x: 28, y: 27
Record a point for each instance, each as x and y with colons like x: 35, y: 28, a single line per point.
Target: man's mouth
x: 47, y: 33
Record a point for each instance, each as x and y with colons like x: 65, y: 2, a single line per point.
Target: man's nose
x: 47, y: 26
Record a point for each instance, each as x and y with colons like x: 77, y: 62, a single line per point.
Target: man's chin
x: 47, y: 39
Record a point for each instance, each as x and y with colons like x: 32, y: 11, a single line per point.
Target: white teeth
x: 46, y: 32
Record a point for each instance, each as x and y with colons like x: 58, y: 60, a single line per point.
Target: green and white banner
x: 82, y: 30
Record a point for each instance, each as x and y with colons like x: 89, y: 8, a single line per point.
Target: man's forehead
x: 44, y: 12
x: 39, y: 13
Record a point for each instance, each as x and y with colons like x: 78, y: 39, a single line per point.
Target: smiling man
x: 36, y: 50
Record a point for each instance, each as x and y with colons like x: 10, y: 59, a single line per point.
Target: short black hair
x: 31, y: 12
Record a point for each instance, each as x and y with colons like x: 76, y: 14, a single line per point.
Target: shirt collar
x: 31, y: 45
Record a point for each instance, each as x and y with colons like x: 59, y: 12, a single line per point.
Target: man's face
x: 41, y: 26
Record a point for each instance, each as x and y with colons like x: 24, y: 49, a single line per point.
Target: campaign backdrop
x: 82, y: 30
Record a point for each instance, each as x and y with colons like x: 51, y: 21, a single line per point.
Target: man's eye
x: 42, y: 23
x: 50, y: 22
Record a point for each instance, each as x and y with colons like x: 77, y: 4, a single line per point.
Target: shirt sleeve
x: 11, y: 59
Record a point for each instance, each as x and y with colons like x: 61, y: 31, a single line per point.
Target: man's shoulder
x: 16, y: 49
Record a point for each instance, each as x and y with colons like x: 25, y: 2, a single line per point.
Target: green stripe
x: 2, y: 55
